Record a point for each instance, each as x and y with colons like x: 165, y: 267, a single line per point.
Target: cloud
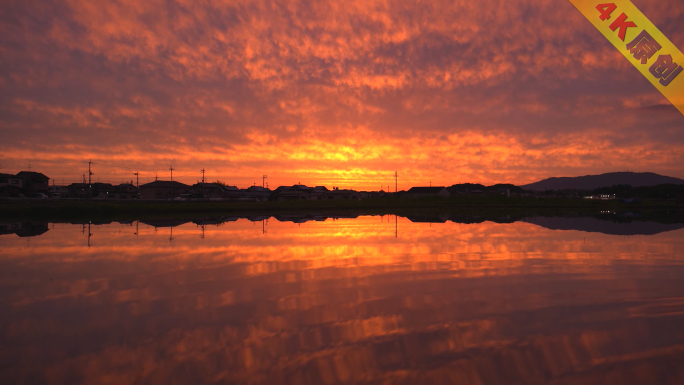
x: 315, y: 88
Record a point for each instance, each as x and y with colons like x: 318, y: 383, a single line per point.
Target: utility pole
x: 155, y: 177
x: 202, y: 171
x: 263, y: 181
x: 89, y: 235
x: 171, y: 168
x: 90, y: 161
x: 395, y: 182
x: 137, y: 180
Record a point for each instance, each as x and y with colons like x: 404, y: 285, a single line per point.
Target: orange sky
x: 332, y: 93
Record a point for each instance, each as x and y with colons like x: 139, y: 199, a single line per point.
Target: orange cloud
x: 327, y: 92
x: 332, y: 301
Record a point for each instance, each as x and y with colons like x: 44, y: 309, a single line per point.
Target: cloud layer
x: 327, y: 92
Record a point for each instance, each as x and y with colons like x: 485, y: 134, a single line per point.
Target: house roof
x: 165, y: 183
x: 32, y: 174
x: 165, y: 222
x: 207, y: 185
x: 258, y: 189
x: 342, y: 191
x: 425, y: 190
x: 8, y: 176
x: 301, y: 187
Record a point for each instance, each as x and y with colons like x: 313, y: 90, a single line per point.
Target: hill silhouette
x: 592, y: 182
x: 595, y: 225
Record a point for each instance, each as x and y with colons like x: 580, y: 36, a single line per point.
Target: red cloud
x: 328, y: 92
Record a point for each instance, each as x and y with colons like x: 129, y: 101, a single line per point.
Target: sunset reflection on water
x: 363, y: 300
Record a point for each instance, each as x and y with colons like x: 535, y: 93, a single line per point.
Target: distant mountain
x: 591, y: 182
x: 594, y: 225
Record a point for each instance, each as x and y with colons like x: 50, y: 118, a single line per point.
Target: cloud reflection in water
x: 342, y: 301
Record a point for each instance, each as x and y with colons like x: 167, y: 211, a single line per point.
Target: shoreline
x: 127, y: 210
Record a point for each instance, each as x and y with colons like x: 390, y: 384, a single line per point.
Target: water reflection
x: 356, y: 300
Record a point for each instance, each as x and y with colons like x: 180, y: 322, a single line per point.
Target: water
x: 357, y: 300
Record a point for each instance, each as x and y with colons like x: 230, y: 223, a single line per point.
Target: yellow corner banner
x: 641, y: 43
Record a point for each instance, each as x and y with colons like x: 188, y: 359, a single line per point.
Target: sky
x: 334, y: 93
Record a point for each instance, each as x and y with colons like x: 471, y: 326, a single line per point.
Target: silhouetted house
x: 208, y: 222
x: 58, y: 191
x: 293, y: 193
x: 441, y: 218
x: 10, y: 228
x: 207, y: 190
x: 162, y: 189
x: 300, y: 218
x: 371, y: 194
x: 34, y: 183
x: 232, y: 193
x: 258, y: 193
x: 318, y: 193
x: 467, y: 189
x: 124, y: 191
x: 10, y: 185
x: 258, y: 218
x: 24, y: 229
x: 337, y: 194
x: 127, y: 188
x: 164, y: 222
x: 419, y: 192
x: 10, y: 179
x: 98, y: 188
x: 78, y: 190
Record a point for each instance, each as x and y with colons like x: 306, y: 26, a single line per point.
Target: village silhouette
x: 36, y: 185
x: 32, y: 184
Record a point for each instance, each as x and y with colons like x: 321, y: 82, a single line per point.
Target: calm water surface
x: 364, y: 300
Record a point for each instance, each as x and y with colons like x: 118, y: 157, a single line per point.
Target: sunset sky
x: 335, y: 93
